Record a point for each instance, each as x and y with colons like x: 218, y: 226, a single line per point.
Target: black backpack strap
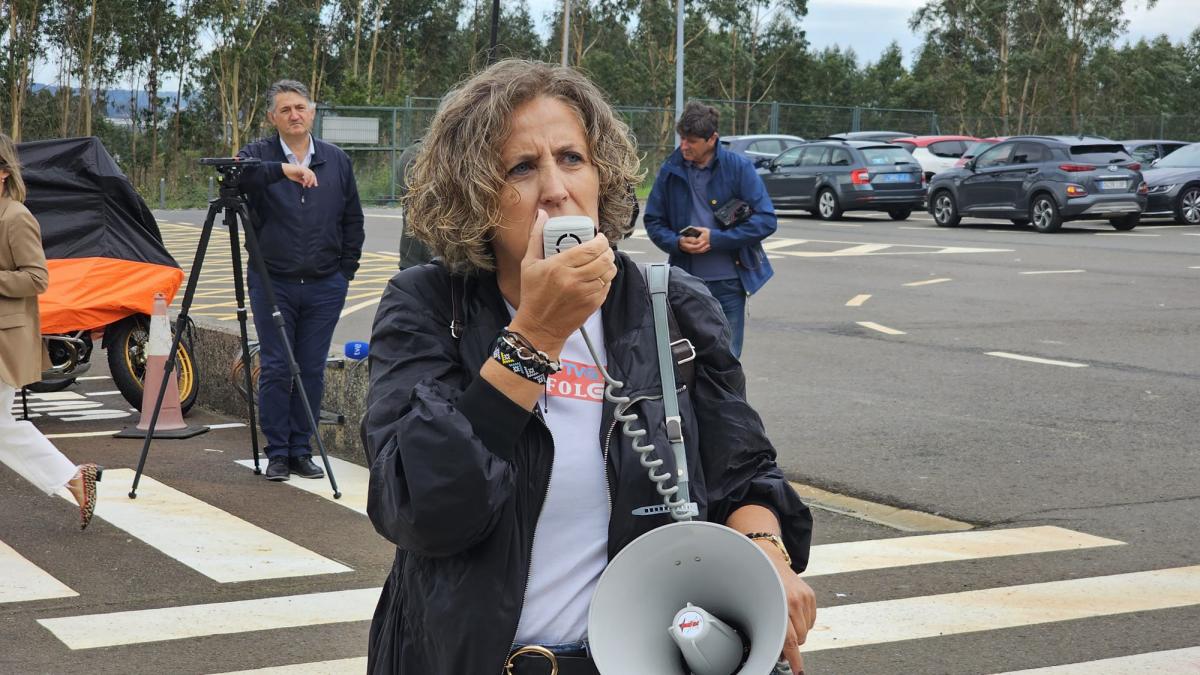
x: 681, y: 348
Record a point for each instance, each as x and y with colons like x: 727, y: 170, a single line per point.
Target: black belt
x: 535, y: 660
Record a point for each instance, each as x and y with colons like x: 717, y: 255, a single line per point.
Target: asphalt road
x: 890, y: 361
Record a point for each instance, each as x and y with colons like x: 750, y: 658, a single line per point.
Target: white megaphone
x: 653, y: 608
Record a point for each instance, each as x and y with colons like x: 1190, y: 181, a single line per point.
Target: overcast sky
x: 869, y: 25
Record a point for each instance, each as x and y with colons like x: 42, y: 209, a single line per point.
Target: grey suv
x: 1043, y: 180
x: 831, y: 177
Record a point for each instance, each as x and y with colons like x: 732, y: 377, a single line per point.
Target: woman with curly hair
x: 506, y: 493
x: 23, y: 276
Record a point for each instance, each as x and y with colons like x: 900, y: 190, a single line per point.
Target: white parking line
x: 909, y: 227
x: 1185, y: 660
x: 858, y: 300
x: 84, y: 434
x: 1191, y: 234
x: 1055, y: 272
x: 882, y: 329
x: 102, y: 393
x: 1034, y: 359
x: 94, y: 377
x: 930, y: 616
x: 220, y: 618
x: 1124, y: 234
x: 362, y: 305
x: 927, y: 282
x: 858, y: 556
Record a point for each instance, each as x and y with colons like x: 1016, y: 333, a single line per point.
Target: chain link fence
x: 380, y: 177
x: 376, y: 137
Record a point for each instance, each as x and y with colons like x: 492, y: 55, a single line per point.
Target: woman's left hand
x: 802, y: 609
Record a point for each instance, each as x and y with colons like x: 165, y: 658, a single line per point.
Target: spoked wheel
x: 1046, y: 217
x: 945, y: 211
x: 828, y: 207
x: 127, y: 362
x: 1187, y: 211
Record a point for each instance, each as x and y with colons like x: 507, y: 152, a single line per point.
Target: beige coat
x: 23, y: 275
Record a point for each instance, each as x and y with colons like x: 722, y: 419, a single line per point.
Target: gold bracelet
x: 774, y: 539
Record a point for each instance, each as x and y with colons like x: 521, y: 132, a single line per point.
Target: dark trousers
x: 732, y: 296
x: 310, y: 310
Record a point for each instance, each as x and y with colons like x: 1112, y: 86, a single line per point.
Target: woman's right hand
x: 559, y: 293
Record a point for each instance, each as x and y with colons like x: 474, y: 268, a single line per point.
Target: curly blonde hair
x: 457, y: 179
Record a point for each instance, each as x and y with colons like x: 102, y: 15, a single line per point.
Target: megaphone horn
x: 656, y: 577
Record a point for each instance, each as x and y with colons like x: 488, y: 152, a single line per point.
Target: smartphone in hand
x: 690, y: 231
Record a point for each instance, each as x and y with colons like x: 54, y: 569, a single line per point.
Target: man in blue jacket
x: 696, y: 180
x: 310, y: 231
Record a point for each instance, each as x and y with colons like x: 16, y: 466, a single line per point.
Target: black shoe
x: 277, y: 469
x: 304, y: 466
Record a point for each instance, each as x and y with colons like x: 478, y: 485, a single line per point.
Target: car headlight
x: 1159, y: 189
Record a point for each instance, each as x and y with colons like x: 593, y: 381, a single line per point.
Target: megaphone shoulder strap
x: 657, y: 280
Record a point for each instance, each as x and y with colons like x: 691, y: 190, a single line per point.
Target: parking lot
x: 1038, y: 390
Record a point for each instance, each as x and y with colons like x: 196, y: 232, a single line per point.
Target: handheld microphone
x: 564, y: 232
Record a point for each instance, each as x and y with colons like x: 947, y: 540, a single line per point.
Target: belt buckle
x: 535, y: 650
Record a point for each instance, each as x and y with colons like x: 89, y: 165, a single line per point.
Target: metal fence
x: 379, y: 175
x: 377, y: 159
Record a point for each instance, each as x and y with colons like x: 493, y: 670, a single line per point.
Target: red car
x: 976, y: 148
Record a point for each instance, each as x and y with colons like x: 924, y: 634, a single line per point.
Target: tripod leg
x: 24, y: 404
x: 180, y: 324
x: 240, y: 294
x: 277, y: 319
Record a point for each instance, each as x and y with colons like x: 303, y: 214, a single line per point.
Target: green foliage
x: 987, y: 67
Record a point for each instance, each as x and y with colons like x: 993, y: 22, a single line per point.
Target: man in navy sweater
x: 310, y: 231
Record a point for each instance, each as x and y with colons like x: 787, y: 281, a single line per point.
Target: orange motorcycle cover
x: 103, y: 247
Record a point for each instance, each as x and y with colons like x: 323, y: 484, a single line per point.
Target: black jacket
x: 459, y: 472
x: 305, y: 233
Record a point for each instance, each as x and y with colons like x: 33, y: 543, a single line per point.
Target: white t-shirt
x: 570, y: 545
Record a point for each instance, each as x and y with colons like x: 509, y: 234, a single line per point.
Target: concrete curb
x: 216, y: 348
x: 905, y: 520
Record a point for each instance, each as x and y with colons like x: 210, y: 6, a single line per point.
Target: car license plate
x: 1114, y: 185
x: 897, y: 177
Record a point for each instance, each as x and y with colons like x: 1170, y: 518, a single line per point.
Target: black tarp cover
x: 103, y: 246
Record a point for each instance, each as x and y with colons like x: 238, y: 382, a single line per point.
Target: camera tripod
x: 233, y: 205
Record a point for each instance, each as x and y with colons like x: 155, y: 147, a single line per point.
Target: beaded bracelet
x: 516, y: 353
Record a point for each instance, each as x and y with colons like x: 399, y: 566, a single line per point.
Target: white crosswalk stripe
x: 226, y: 548
x: 338, y: 667
x: 218, y: 544
x: 220, y: 618
x: 1170, y: 661
x: 352, y: 480
x: 871, y: 623
x: 22, y: 581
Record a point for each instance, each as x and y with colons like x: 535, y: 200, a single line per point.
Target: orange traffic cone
x: 170, y: 422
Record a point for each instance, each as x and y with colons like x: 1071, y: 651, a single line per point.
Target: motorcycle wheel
x: 127, y: 362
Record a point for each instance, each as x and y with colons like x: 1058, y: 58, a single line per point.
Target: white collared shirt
x: 291, y: 156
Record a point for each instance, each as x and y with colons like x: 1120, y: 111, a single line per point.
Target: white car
x: 935, y: 153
